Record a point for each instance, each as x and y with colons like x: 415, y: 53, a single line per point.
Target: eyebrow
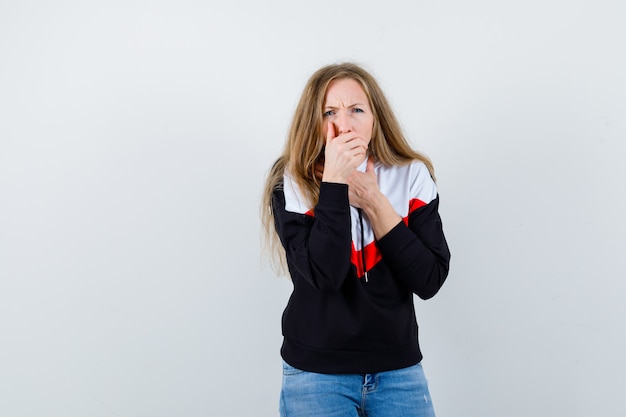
x: 352, y: 105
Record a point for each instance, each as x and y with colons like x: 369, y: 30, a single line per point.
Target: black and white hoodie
x: 351, y: 310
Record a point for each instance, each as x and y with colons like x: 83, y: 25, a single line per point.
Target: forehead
x: 345, y: 90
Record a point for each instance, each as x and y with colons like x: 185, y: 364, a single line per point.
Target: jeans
x: 399, y: 393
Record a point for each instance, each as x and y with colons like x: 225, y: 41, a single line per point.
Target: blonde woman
x: 352, y: 211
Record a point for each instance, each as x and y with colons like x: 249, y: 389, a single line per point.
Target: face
x: 346, y: 106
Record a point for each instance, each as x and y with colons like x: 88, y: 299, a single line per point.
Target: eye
x: 358, y: 110
x: 328, y: 113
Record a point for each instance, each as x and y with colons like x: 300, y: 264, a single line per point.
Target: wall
x: 134, y: 137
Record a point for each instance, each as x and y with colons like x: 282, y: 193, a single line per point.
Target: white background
x: 134, y: 138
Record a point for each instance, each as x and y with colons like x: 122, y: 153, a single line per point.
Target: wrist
x: 333, y: 178
x: 375, y: 204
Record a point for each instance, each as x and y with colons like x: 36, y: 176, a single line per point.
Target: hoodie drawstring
x: 362, y: 245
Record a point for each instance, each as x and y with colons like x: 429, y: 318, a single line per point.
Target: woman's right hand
x: 343, y: 154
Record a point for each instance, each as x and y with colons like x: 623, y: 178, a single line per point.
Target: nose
x: 342, y: 122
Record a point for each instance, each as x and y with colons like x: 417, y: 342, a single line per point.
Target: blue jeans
x: 399, y: 393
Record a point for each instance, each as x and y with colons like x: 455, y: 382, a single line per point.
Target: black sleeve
x: 317, y: 247
x: 418, y: 254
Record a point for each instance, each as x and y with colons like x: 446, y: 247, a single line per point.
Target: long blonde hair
x: 305, y: 144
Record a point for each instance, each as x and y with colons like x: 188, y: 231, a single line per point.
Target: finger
x: 330, y: 132
x: 356, y: 142
x: 319, y: 170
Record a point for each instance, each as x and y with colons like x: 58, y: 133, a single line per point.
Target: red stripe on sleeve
x: 414, y: 204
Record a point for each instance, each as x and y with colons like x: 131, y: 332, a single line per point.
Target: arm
x: 416, y: 251
x: 318, y: 244
x: 418, y: 254
x: 365, y: 194
x: 317, y: 247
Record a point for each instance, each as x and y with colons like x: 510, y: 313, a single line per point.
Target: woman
x: 354, y: 212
